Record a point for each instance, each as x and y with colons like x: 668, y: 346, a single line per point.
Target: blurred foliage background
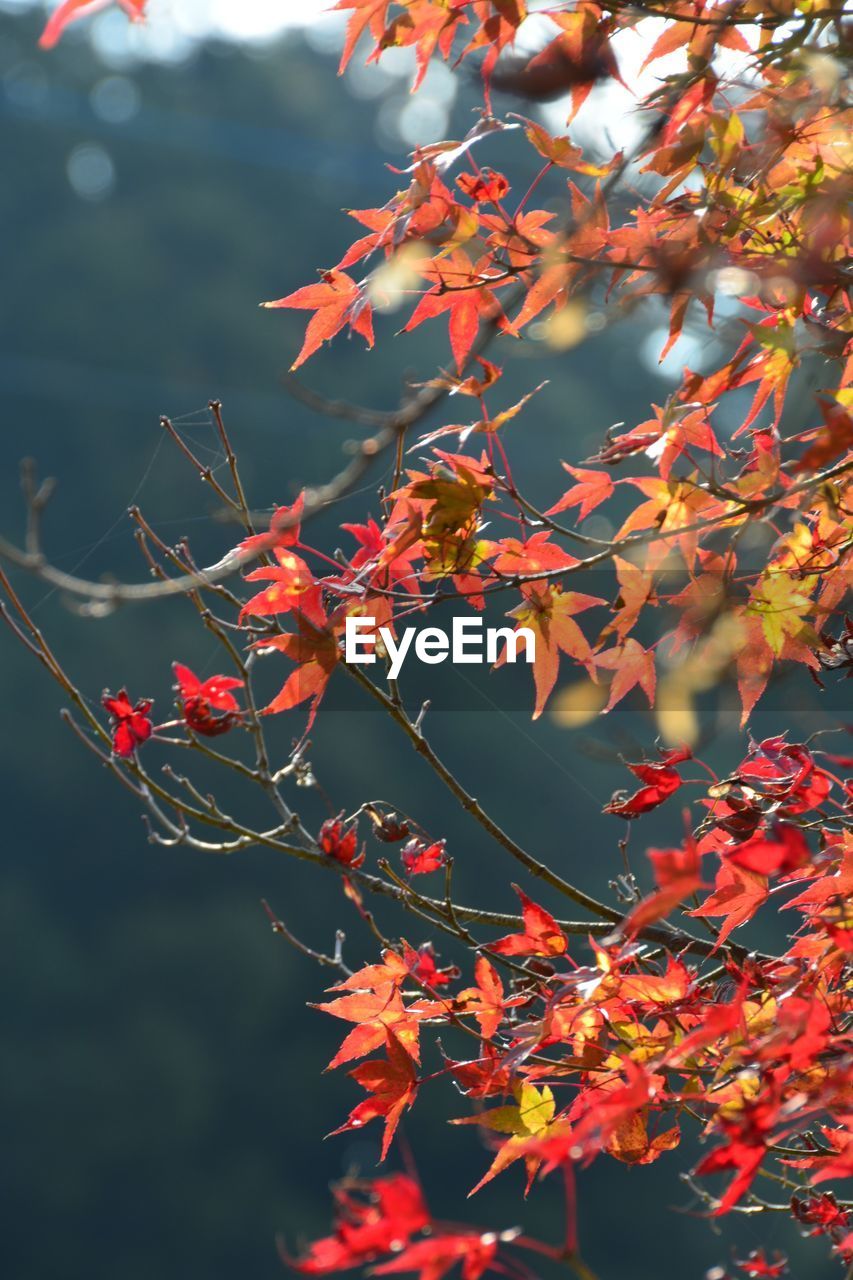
x: 160, y: 1075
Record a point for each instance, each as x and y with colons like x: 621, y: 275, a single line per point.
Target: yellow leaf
x: 781, y: 601
x: 535, y: 1107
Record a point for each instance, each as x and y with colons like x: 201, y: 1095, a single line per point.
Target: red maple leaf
x: 678, y: 873
x: 536, y: 554
x: 371, y: 1219
x: 340, y: 842
x: 673, y: 431
x: 840, y: 1164
x: 485, y: 1076
x: 737, y: 896
x: 483, y: 187
x: 745, y: 1157
x: 421, y: 965
x: 373, y: 1001
x: 367, y: 15
x: 823, y: 1212
x: 836, y: 884
x: 716, y: 1021
x: 661, y: 780
x: 131, y: 723
x: 283, y: 530
x: 759, y: 1265
x: 315, y: 650
x: 420, y: 856
x: 831, y: 440
x: 433, y: 1257
x: 542, y: 935
x: 631, y: 665
x: 549, y: 612
x: 785, y: 772
x: 779, y: 853
x: 393, y: 1085
x: 672, y: 505
x: 201, y: 700
x: 565, y: 65
x: 487, y: 1000
x: 601, y: 1114
x: 696, y: 99
x: 371, y: 565
x: 292, y: 588
x: 636, y: 590
x: 657, y: 990
x: 592, y: 488
x: 337, y: 300
x: 462, y: 288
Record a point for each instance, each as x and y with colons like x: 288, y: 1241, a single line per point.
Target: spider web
x: 197, y: 429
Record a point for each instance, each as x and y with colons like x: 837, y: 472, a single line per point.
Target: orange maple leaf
x: 373, y: 1001
x: 670, y: 506
x: 315, y: 649
x: 367, y: 15
x: 393, y: 1085
x: 293, y: 588
x: 548, y: 612
x: 737, y: 896
x: 631, y: 664
x: 542, y: 936
x: 486, y: 1001
x: 537, y: 554
x: 677, y: 874
x: 463, y: 289
x: 591, y: 489
x: 337, y: 300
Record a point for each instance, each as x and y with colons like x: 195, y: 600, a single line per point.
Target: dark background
x: 160, y: 1076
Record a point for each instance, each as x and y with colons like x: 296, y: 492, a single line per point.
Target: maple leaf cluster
x: 387, y: 1218
x: 765, y: 214
x: 638, y: 1045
